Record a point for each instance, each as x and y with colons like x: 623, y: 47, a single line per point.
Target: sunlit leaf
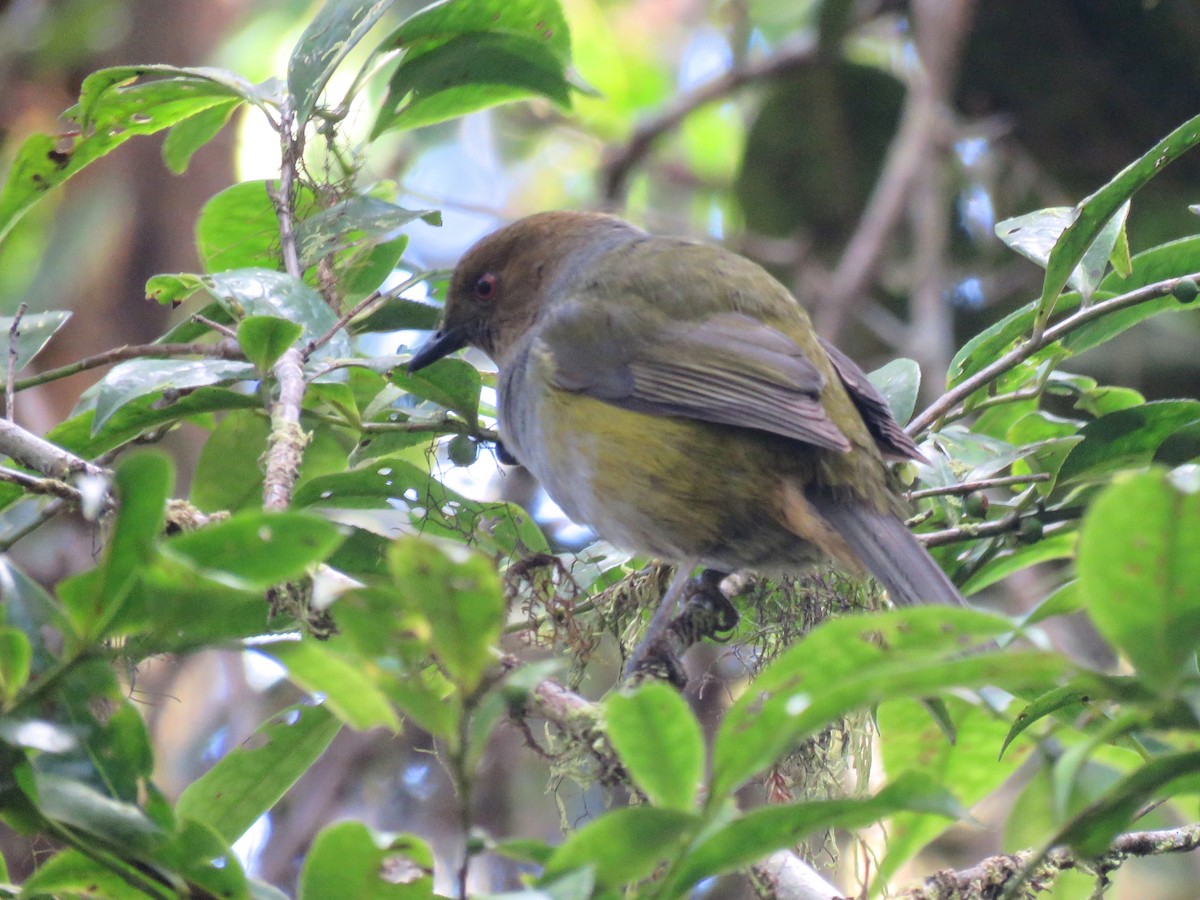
x: 856, y: 661
x: 762, y: 831
x: 1139, y: 567
x: 458, y: 593
x: 264, y: 338
x: 184, y: 139
x: 114, y: 105
x: 1126, y: 438
x: 348, y: 860
x: 256, y: 548
x: 624, y: 845
x: 348, y: 691
x: 245, y: 783
x: 658, y: 739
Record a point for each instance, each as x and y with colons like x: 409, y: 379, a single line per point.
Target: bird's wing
x: 729, y: 369
x: 872, y: 406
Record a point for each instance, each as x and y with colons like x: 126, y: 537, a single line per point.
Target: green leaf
x: 469, y: 72
x: 334, y: 31
x: 458, y: 593
x: 1034, y: 235
x: 264, y: 338
x: 399, y: 314
x: 658, y: 739
x: 360, y: 219
x: 340, y: 678
x: 348, y: 860
x: 539, y: 20
x: 1126, y: 439
x: 913, y: 743
x: 70, y: 873
x: 184, y: 139
x: 30, y: 609
x: 899, y: 381
x: 1139, y: 568
x: 173, y: 289
x: 143, y: 482
x: 762, y: 831
x: 228, y: 474
x: 136, y: 378
x: 367, y: 270
x: 624, y: 845
x: 205, y: 860
x: 1060, y: 545
x: 16, y: 657
x: 108, y: 821
x: 142, y: 415
x: 238, y: 229
x: 853, y: 662
x: 34, y: 333
x: 1091, y: 831
x: 245, y: 783
x: 114, y: 105
x: 1077, y: 693
x: 262, y: 292
x: 256, y: 549
x: 1096, y: 210
x: 452, y: 383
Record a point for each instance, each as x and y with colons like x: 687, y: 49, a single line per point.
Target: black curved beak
x: 441, y: 345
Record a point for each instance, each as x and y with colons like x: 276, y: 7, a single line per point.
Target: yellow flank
x: 676, y: 488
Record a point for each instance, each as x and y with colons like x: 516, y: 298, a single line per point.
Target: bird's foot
x: 706, y: 613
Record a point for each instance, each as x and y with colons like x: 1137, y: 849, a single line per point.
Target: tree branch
x: 42, y: 456
x: 939, y: 34
x: 947, y: 403
x: 285, y: 445
x: 967, y: 487
x: 992, y: 875
x: 790, y: 57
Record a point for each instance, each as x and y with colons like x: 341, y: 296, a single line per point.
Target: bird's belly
x: 674, y: 488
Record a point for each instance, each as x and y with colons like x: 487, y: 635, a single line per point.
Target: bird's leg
x: 706, y: 613
x: 653, y: 647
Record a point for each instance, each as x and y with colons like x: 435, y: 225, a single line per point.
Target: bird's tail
x: 888, y: 550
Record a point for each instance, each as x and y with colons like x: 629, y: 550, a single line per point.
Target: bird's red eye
x: 485, y: 287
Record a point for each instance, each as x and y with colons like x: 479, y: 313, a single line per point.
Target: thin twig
x: 377, y: 296
x: 223, y: 330
x: 982, y: 484
x: 991, y: 875
x: 35, y: 484
x: 790, y: 57
x: 220, y: 350
x: 945, y: 404
x: 14, y: 332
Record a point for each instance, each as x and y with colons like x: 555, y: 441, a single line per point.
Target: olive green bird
x: 674, y: 397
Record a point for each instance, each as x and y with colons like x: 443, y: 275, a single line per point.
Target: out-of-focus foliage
x: 399, y: 596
